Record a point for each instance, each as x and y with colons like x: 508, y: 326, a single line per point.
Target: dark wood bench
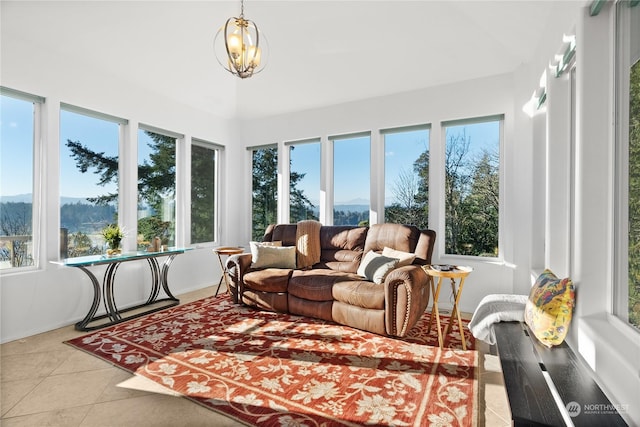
x: 527, y: 365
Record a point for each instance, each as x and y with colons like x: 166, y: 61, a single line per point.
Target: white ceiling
x: 321, y: 52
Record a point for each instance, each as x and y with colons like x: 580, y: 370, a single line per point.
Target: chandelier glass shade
x: 240, y: 46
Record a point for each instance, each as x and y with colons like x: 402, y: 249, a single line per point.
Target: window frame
x: 279, y: 186
x: 331, y: 172
x: 500, y: 118
x: 37, y: 162
x: 286, y: 176
x: 622, y: 61
x: 121, y: 122
x: 219, y: 150
x: 179, y: 226
x: 399, y: 130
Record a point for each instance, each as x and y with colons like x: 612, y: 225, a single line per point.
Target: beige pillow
x: 376, y: 267
x: 404, y: 258
x: 265, y: 256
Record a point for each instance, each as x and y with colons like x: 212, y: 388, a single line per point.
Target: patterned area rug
x: 268, y: 369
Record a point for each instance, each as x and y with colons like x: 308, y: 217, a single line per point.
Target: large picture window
x: 472, y: 186
x: 204, y: 180
x: 627, y: 297
x: 17, y: 128
x: 156, y: 187
x: 406, y: 176
x: 88, y: 180
x: 264, y: 190
x: 351, y: 179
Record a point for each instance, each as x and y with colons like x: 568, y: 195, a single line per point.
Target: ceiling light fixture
x: 241, y: 49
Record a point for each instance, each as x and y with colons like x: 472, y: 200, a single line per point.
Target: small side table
x: 225, y: 251
x: 456, y: 272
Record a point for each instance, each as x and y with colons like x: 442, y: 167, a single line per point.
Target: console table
x: 106, y: 290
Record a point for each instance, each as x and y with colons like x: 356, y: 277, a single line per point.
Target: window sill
x: 612, y: 350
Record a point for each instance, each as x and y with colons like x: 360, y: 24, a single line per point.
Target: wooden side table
x: 226, y: 251
x: 456, y: 272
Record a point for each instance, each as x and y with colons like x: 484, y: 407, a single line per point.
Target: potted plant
x: 113, y: 235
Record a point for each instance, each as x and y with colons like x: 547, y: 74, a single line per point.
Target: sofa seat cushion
x: 268, y: 280
x: 360, y: 293
x: 317, y: 284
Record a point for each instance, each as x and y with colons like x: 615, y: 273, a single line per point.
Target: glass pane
x: 264, y: 190
x: 156, y: 188
x: 304, y: 181
x: 16, y: 161
x: 88, y: 182
x: 203, y: 194
x: 351, y: 181
x: 406, y: 177
x: 472, y: 202
x: 634, y: 163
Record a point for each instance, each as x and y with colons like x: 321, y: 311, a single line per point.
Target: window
x: 304, y: 180
x: 17, y: 127
x: 627, y: 297
x: 351, y: 179
x: 156, y: 187
x: 204, y: 180
x: 264, y: 189
x: 472, y: 186
x: 88, y: 180
x: 406, y: 176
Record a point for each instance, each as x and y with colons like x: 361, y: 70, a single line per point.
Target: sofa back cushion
x: 406, y: 238
x: 395, y: 236
x: 342, y: 247
x: 286, y: 233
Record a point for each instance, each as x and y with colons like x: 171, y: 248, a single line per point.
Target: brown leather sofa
x: 331, y: 289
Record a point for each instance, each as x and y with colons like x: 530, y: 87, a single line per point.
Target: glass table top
x: 124, y: 256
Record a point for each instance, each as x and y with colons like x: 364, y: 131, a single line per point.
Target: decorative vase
x: 114, y: 247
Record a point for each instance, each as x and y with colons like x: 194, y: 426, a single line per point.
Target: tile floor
x: 47, y: 383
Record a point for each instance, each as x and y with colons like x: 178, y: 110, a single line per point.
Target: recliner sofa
x: 331, y: 289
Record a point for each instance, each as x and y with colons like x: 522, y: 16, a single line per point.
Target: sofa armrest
x: 237, y: 266
x: 406, y: 297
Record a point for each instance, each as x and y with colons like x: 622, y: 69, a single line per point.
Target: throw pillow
x: 549, y: 308
x: 265, y: 256
x: 376, y: 267
x: 404, y: 258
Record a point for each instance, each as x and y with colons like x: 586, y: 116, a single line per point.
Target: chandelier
x: 240, y: 49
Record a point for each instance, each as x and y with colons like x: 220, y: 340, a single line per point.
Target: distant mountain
x: 18, y: 198
x: 27, y: 198
x: 351, y: 208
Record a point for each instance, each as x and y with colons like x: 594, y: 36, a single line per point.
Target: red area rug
x: 269, y: 369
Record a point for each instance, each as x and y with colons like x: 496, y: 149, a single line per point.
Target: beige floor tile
x: 33, y: 365
x: 154, y: 411
x: 79, y: 361
x: 41, y: 342
x: 71, y: 417
x: 11, y: 392
x: 64, y: 391
x: 495, y: 395
x: 489, y: 418
x: 143, y: 385
x: 118, y: 388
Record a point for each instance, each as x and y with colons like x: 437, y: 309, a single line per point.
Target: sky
x: 351, y: 167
